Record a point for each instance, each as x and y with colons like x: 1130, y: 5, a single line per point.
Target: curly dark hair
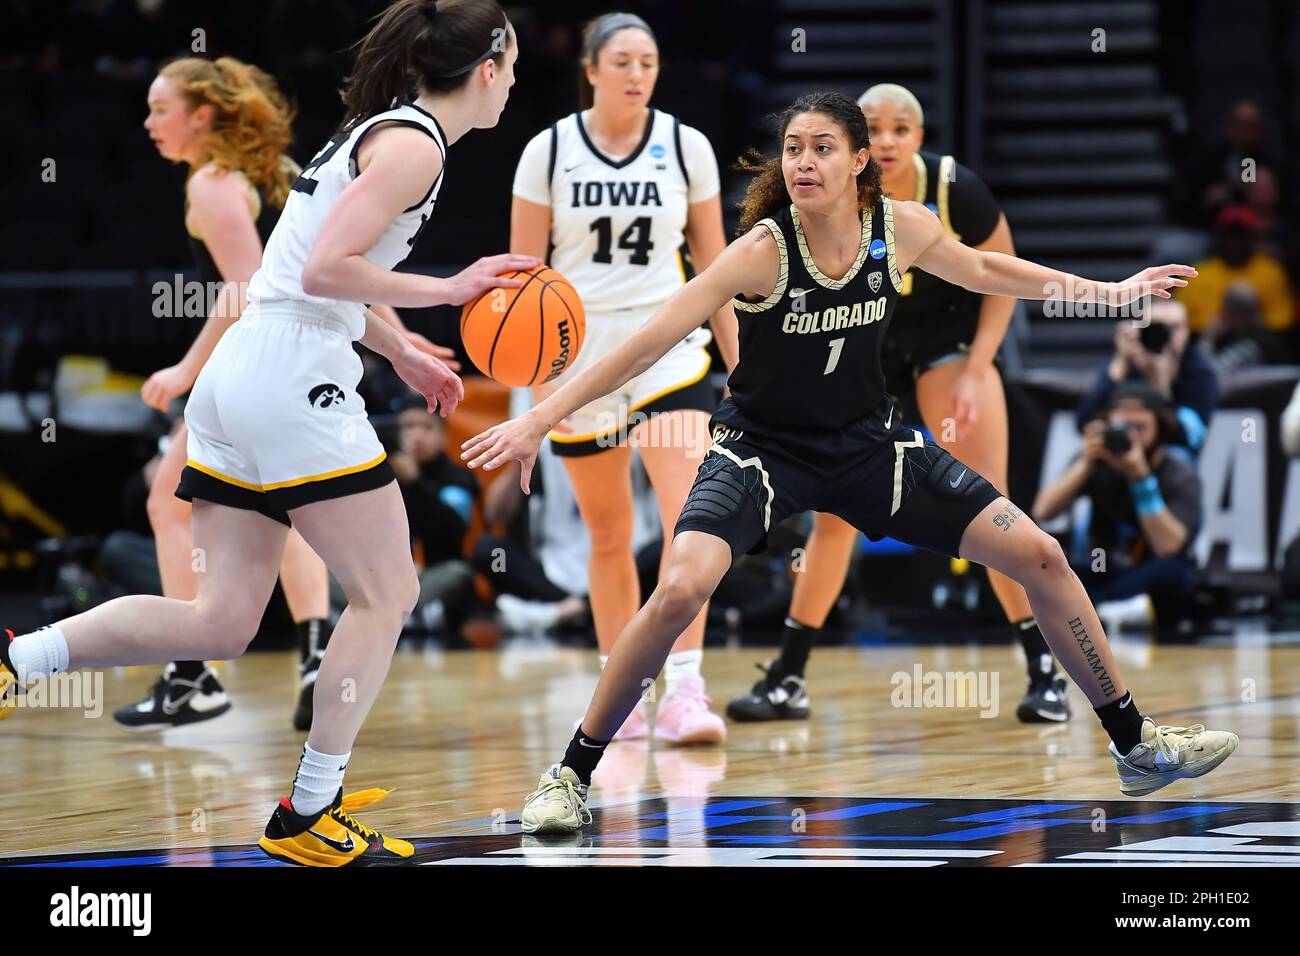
x: 767, y: 194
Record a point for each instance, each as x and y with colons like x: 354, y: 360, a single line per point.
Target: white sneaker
x: 1167, y: 754
x: 558, y: 805
x: 526, y: 616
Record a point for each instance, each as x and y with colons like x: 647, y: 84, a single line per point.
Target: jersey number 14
x: 635, y: 237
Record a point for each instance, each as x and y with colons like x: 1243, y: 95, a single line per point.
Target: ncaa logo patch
x: 325, y: 396
x: 657, y: 151
x: 874, y: 280
x: 877, y: 249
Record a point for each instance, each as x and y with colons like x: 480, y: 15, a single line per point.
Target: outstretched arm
x: 921, y: 240
x: 749, y: 265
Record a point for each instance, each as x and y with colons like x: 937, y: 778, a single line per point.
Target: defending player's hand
x: 1156, y: 281
x: 486, y: 274
x: 441, y: 352
x: 440, y: 386
x: 164, y: 385
x: 515, y: 440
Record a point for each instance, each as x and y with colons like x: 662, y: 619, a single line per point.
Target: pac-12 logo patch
x: 874, y: 281
x: 877, y: 248
x: 325, y: 396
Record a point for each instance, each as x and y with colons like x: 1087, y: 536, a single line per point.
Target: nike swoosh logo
x: 891, y: 416
x: 341, y: 847
x: 954, y: 484
x: 569, y: 169
x: 582, y: 742
x: 1125, y: 703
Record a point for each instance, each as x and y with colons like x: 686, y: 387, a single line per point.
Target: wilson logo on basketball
x: 526, y: 335
x: 561, y: 361
x: 325, y: 396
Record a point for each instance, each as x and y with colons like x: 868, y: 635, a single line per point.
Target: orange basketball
x: 528, y: 335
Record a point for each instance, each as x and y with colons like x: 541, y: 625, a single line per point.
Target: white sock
x: 680, y: 666
x: 318, y: 780
x: 39, y: 654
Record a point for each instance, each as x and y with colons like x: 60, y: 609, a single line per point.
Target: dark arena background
x: 1112, y: 135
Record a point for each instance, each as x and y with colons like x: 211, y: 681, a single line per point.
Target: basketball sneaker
x: 1046, y: 701
x: 775, y: 697
x: 332, y: 837
x: 175, y: 701
x: 1167, y: 754
x: 8, y: 682
x: 683, y: 717
x: 558, y: 805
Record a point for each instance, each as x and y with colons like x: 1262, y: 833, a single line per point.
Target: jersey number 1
x: 635, y: 237
x: 837, y: 346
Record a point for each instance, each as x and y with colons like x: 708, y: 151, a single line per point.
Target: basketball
x: 528, y: 335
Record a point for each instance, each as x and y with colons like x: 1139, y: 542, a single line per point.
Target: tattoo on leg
x: 1007, y: 517
x: 1090, y: 655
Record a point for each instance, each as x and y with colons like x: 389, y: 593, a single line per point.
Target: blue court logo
x: 658, y: 152
x: 877, y: 249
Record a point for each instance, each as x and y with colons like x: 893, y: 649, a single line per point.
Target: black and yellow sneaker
x: 8, y: 682
x: 332, y: 837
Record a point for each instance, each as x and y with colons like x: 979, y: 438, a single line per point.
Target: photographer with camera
x: 1146, y: 504
x: 1157, y: 354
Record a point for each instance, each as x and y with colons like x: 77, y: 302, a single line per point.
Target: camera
x: 1154, y: 337
x: 1115, y: 439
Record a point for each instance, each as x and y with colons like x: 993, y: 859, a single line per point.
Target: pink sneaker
x: 634, y: 728
x: 684, y: 717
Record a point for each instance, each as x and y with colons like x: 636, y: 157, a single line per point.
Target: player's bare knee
x: 680, y: 596
x: 1046, y: 558
x: 164, y: 508
x: 612, y: 538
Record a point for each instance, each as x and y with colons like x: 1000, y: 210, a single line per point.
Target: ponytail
x: 420, y: 45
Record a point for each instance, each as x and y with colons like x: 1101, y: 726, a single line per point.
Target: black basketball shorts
x: 886, y: 482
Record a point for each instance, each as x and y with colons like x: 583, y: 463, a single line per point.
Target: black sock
x: 583, y: 755
x: 1038, y: 656
x: 796, y: 645
x: 188, y: 670
x: 1123, y: 721
x: 313, y: 636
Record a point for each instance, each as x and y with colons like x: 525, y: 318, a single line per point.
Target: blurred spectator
x: 1291, y: 445
x: 1238, y: 258
x: 525, y: 597
x: 1245, y: 147
x: 1238, y: 338
x: 1157, y: 354
x: 1264, y: 198
x: 1146, y: 504
x: 439, y: 496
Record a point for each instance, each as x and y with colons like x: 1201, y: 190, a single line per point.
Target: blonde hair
x: 252, y: 120
x: 900, y: 96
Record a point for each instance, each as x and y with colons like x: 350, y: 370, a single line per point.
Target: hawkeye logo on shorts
x: 325, y: 396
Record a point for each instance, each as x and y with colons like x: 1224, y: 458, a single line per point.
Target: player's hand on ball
x: 440, y: 386
x: 1156, y: 281
x: 514, y: 440
x: 164, y: 385
x: 441, y: 352
x: 486, y: 274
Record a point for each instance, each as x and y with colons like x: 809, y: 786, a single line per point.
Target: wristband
x: 1146, y: 496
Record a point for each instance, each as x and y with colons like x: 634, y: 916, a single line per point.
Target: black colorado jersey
x: 969, y: 214
x: 810, y: 351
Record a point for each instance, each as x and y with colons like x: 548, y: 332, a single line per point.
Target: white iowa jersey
x: 314, y: 193
x: 617, y: 225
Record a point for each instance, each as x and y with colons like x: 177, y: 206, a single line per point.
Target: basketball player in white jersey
x: 614, y: 190
x: 278, y: 434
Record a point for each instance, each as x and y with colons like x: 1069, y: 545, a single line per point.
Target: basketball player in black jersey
x: 808, y: 427
x: 940, y: 354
